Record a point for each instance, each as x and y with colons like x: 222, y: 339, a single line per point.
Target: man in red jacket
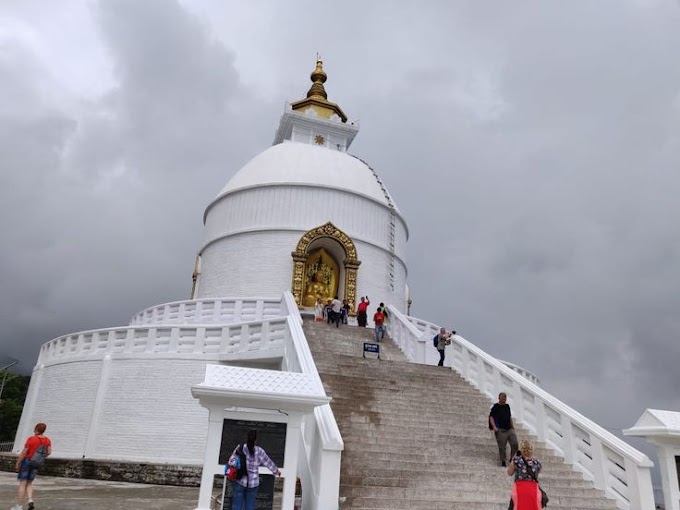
x: 26, y: 471
x: 362, y: 317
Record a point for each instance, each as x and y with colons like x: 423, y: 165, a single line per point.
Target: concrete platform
x: 52, y: 493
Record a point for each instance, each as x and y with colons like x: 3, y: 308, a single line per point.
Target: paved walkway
x: 53, y: 493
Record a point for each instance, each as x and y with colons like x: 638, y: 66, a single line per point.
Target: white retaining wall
x: 110, y: 393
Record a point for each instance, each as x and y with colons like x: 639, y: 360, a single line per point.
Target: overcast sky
x: 532, y: 146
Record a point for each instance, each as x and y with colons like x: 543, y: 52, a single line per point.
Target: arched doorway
x: 316, y: 271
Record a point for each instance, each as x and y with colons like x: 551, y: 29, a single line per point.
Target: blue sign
x: 374, y: 348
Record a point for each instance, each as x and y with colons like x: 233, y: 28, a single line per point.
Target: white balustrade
x: 210, y: 311
x: 211, y: 341
x: 612, y: 464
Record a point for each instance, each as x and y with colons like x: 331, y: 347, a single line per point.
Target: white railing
x: 210, y: 311
x: 215, y: 341
x: 430, y: 330
x: 522, y: 371
x: 621, y: 471
x: 319, y: 467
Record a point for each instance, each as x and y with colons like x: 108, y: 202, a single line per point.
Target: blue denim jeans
x: 379, y: 333
x: 243, y: 495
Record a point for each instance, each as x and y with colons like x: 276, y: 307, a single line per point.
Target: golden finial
x: 318, y: 78
x: 317, y: 99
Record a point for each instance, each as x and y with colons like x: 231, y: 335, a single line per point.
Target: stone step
x: 459, y: 491
x: 388, y: 408
x: 399, y: 409
x: 477, y: 479
x: 477, y: 501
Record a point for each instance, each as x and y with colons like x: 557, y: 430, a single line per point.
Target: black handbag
x: 544, y: 496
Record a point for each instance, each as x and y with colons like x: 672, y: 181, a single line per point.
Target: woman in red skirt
x: 525, y: 492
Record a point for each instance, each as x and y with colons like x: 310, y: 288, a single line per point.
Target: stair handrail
x: 319, y: 467
x: 615, y: 467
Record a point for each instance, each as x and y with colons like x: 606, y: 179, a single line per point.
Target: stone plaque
x: 270, y: 436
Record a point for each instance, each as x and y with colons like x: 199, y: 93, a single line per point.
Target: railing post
x: 481, y: 370
x: 539, y: 409
x: 174, y: 339
x: 199, y: 343
x: 238, y: 310
x: 465, y: 364
x: 259, y: 309
x: 568, y: 445
x: 519, y: 398
x: 599, y: 463
x: 265, y: 334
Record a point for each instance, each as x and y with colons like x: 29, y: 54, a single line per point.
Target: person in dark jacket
x: 503, y: 426
x: 441, y: 341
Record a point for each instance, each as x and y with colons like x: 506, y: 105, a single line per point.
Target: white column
x: 211, y: 465
x: 669, y: 476
x: 91, y: 441
x: 291, y: 453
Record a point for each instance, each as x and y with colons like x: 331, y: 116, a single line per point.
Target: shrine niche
x: 316, y: 272
x: 322, y: 276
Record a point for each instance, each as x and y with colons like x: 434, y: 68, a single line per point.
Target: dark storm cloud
x: 532, y: 147
x: 101, y: 205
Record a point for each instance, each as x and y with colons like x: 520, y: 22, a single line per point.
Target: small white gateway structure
x: 662, y: 428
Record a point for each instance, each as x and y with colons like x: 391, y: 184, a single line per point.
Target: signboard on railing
x: 372, y: 348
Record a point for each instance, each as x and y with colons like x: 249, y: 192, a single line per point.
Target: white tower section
x: 305, y: 180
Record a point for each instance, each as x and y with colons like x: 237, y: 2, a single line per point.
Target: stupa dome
x: 300, y: 164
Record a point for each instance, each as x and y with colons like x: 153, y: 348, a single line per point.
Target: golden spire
x: 318, y: 78
x: 317, y: 99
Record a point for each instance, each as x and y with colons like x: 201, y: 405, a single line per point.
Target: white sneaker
x: 17, y: 507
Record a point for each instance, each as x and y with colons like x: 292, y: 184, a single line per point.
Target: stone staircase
x: 415, y: 435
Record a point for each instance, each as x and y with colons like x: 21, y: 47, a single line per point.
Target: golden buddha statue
x: 322, y: 278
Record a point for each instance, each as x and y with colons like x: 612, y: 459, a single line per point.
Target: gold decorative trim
x: 351, y: 263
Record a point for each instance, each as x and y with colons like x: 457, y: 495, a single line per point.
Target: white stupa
x: 302, y: 217
x: 305, y: 204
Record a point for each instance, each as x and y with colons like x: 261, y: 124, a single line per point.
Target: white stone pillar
x: 669, y: 476
x: 91, y: 441
x: 291, y: 453
x: 211, y: 461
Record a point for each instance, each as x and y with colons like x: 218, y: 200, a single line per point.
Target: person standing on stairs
x: 345, y: 311
x: 387, y: 318
x: 503, y: 425
x: 525, y: 492
x: 336, y: 306
x: 378, y: 320
x: 362, y: 317
x: 441, y: 340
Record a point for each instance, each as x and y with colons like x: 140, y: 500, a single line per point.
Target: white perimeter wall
x: 250, y: 235
x: 145, y: 410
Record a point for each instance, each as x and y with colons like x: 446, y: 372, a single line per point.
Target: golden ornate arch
x: 350, y: 263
